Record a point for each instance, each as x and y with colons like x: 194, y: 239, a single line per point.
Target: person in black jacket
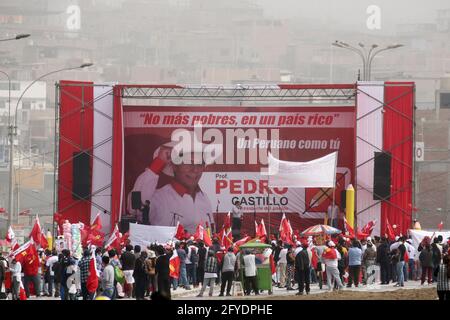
x: 437, y: 256
x: 383, y: 260
x: 140, y: 276
x: 56, y: 268
x: 201, y: 262
x: 302, y: 269
x: 162, y: 272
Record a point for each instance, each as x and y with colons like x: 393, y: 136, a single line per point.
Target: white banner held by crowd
x: 418, y: 235
x: 144, y: 235
x: 318, y: 173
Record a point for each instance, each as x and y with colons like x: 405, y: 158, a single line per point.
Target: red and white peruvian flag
x: 10, y: 235
x: 441, y: 225
x: 174, y: 265
x: 240, y: 242
x: 114, y: 238
x: 227, y: 221
x: 202, y: 234
x: 261, y: 232
x: 92, y: 280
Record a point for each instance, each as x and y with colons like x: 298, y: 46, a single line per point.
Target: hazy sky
x: 352, y: 13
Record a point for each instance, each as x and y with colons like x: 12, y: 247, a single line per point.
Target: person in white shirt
x: 16, y: 275
x: 49, y: 264
x: 182, y: 199
x: 281, y: 267
x: 250, y: 282
x: 411, y: 262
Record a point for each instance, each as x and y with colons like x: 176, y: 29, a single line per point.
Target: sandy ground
x: 401, y: 294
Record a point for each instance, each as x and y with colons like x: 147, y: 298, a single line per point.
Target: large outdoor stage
x: 109, y: 138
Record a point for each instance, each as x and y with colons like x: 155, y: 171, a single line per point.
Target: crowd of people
x: 140, y: 273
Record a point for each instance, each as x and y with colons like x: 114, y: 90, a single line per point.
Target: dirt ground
x: 410, y: 294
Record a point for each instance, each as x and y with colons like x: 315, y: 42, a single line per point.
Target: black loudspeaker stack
x: 382, y: 176
x: 81, y: 176
x: 136, y: 202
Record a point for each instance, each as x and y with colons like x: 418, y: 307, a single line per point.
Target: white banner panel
x: 418, y: 235
x: 102, y: 156
x: 369, y: 132
x: 144, y: 235
x: 317, y: 173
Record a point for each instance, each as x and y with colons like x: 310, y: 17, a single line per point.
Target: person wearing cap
x: 330, y: 257
x: 228, y: 267
x: 250, y: 282
x: 181, y: 199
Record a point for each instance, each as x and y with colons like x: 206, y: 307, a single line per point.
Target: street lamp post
x: 367, y: 57
x: 9, y: 122
x: 13, y: 130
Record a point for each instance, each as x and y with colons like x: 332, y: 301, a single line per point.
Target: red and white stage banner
x: 127, y: 146
x: 244, y: 137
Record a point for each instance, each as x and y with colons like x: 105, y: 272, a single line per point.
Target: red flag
x: 36, y: 232
x: 123, y: 239
x: 174, y: 265
x: 273, y: 269
x: 21, y: 252
x: 361, y: 235
x: 286, y: 230
x: 95, y: 238
x: 179, y: 234
x: 390, y: 230
x: 84, y: 235
x: 368, y: 228
x: 348, y: 229
x: 43, y: 241
x: 441, y: 226
x: 97, y: 224
x: 92, y: 280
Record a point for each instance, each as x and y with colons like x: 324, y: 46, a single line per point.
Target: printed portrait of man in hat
x: 184, y: 160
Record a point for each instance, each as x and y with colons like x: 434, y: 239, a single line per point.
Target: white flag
x: 318, y: 173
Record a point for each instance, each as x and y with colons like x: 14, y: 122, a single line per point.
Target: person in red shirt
x: 30, y: 267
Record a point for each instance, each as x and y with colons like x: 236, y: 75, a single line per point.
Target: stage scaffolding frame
x: 307, y: 94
